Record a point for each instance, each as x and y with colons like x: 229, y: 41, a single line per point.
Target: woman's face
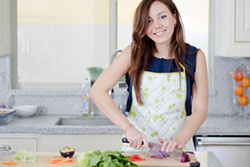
x: 161, y: 23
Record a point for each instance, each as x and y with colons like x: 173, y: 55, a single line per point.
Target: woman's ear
x: 175, y: 19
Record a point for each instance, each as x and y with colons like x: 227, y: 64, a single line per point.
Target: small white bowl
x: 25, y: 110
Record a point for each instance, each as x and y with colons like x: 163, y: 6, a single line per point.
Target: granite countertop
x: 46, y: 124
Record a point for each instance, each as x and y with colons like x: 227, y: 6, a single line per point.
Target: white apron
x: 163, y: 111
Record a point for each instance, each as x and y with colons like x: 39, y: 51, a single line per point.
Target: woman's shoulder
x: 191, y: 53
x: 191, y: 50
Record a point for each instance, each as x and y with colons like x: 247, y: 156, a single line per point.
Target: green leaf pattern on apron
x: 154, y: 134
x: 168, y: 77
x: 157, y: 117
x: 150, y: 78
x: 183, y: 113
x: 179, y: 93
x: 145, y: 93
x: 132, y: 114
x: 157, y: 101
x: 174, y: 128
x: 171, y: 106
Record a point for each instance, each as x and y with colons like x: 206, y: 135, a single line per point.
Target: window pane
x: 126, y: 10
x: 59, y: 39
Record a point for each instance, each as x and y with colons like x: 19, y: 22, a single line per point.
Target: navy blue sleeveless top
x: 161, y: 65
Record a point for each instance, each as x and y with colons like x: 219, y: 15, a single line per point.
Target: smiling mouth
x: 159, y: 33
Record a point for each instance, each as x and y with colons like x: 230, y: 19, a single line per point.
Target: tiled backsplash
x: 69, y: 103
x: 222, y: 101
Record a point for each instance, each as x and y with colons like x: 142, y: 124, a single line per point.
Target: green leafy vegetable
x: 99, y: 158
x: 24, y: 156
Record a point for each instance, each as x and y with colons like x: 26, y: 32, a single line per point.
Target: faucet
x: 114, y: 55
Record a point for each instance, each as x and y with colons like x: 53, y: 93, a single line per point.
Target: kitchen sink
x: 84, y: 122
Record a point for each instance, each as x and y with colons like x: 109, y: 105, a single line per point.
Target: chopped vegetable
x: 157, y: 153
x: 99, y: 158
x: 9, y: 163
x: 67, y: 152
x: 184, y: 157
x: 61, y: 161
x: 135, y: 157
x: 24, y: 156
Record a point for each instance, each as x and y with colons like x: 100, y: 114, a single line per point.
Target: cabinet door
x: 227, y: 17
x: 20, y: 144
x: 242, y: 20
x: 4, y: 27
x: 80, y: 142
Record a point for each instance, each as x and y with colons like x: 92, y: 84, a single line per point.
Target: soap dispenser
x: 86, y: 102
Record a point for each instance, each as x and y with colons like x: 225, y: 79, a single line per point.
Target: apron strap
x: 183, y: 71
x: 182, y: 67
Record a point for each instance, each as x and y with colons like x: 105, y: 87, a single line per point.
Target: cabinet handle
x: 200, y: 143
x: 5, y: 148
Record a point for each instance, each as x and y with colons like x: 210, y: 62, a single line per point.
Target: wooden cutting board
x: 164, y: 162
x: 43, y: 159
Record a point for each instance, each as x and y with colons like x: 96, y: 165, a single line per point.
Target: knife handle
x: 125, y: 140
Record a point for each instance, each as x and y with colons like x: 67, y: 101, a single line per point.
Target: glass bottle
x: 241, y: 90
x: 86, y: 102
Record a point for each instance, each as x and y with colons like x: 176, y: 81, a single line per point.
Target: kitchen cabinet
x: 53, y: 143
x: 4, y: 27
x: 230, y: 27
x: 20, y: 142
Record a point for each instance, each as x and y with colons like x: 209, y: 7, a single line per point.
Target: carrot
x: 10, y: 163
x: 55, y: 161
x: 61, y: 161
x: 65, y: 160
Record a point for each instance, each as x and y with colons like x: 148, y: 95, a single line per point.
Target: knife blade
x: 176, y: 153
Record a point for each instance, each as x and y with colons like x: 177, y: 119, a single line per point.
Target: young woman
x: 167, y: 81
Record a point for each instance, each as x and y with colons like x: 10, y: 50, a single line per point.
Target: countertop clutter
x: 206, y: 159
x: 49, y: 124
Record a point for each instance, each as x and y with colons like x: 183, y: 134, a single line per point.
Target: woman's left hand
x: 170, y: 144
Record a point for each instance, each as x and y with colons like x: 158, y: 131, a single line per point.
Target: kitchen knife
x: 176, y: 153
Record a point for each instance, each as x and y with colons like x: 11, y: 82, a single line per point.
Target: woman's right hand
x: 136, y: 138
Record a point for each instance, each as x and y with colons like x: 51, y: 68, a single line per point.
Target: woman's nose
x: 157, y: 24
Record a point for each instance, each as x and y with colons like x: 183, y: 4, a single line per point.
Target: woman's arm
x: 99, y: 94
x: 105, y: 82
x: 199, y: 106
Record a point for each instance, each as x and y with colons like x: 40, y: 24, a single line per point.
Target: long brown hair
x: 143, y: 47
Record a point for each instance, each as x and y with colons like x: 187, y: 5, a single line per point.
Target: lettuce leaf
x: 97, y: 158
x: 24, y: 156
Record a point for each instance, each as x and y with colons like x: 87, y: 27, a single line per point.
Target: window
x: 57, y: 40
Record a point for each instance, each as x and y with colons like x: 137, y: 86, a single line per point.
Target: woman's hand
x: 170, y: 145
x: 136, y: 138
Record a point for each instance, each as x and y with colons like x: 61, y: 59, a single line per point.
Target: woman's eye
x: 163, y: 16
x: 150, y: 21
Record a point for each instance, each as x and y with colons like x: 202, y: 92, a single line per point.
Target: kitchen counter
x: 46, y: 124
x: 206, y: 159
